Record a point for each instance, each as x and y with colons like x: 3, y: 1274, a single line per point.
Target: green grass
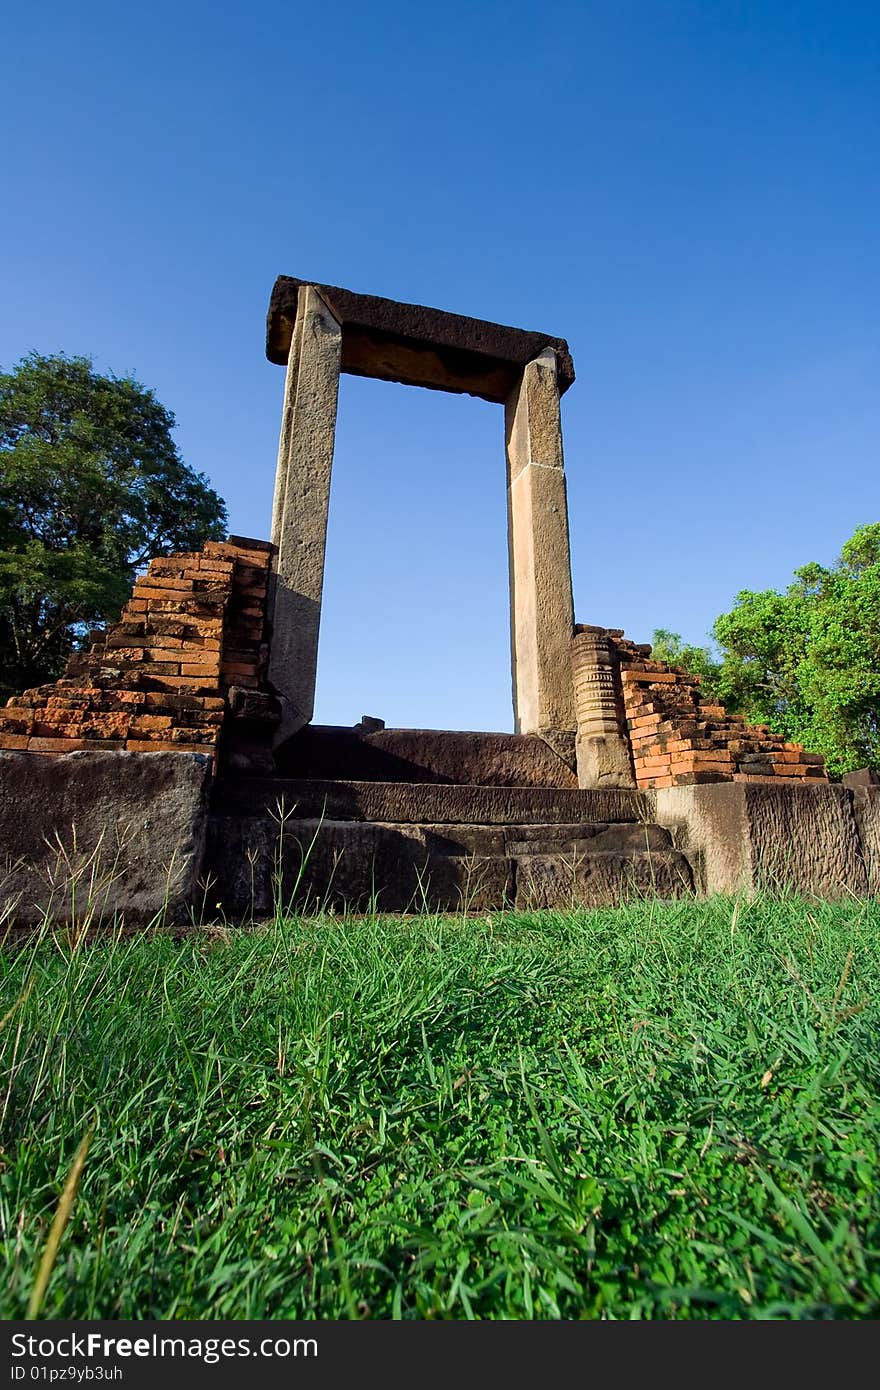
x: 657, y: 1111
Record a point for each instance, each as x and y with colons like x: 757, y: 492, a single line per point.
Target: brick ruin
x: 672, y: 736
x: 677, y: 738
x: 176, y: 673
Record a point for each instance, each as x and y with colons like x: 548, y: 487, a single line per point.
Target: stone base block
x: 87, y: 838
x: 750, y: 837
x: 604, y: 762
x: 602, y: 879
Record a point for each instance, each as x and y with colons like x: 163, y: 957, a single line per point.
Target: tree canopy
x: 806, y: 661
x: 92, y: 485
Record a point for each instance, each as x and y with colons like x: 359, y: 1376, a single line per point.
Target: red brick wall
x: 157, y: 679
x: 678, y: 738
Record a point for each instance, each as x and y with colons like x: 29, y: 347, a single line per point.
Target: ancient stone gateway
x: 319, y: 331
x: 179, y: 751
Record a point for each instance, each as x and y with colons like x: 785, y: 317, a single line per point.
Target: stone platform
x: 409, y: 846
x: 159, y: 838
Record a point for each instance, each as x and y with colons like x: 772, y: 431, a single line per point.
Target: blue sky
x: 687, y: 192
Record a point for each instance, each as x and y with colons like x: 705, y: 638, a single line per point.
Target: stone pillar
x: 299, y: 513
x: 541, y: 606
x: 602, y: 747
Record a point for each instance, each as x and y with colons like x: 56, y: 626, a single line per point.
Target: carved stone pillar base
x: 602, y: 747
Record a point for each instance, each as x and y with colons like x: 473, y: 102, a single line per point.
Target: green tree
x: 667, y: 646
x: 91, y: 486
x: 807, y: 661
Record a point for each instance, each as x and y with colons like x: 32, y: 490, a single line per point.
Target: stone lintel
x: 418, y: 346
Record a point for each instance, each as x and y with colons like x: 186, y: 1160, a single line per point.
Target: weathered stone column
x: 541, y: 606
x: 602, y: 746
x: 299, y: 513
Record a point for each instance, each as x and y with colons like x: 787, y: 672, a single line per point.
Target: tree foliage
x: 806, y: 661
x: 91, y: 486
x: 667, y: 646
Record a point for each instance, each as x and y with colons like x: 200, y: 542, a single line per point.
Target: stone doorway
x: 319, y: 331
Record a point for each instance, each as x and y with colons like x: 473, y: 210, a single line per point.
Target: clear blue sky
x: 687, y: 192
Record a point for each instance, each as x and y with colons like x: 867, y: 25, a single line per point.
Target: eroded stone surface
x: 302, y: 500
x: 263, y: 864
x: 750, y: 836
x: 308, y: 865
x: 806, y: 838
x: 600, y: 880
x: 574, y: 840
x: 541, y: 604
x: 86, y: 836
x: 866, y: 809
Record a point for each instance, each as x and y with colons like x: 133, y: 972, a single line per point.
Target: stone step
x: 600, y: 880
x: 627, y: 837
x: 327, y: 752
x: 258, y: 862
x: 426, y: 803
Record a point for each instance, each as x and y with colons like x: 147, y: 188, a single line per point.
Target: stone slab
x: 424, y: 755
x: 431, y: 803
x: 628, y: 838
x: 260, y: 866
x: 748, y: 837
x: 600, y: 879
x: 88, y: 836
x: 414, y: 344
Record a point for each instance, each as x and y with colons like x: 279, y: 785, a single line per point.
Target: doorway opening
x: 415, y: 622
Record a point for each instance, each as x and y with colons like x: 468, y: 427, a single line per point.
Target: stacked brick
x: 159, y: 678
x: 678, y: 738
